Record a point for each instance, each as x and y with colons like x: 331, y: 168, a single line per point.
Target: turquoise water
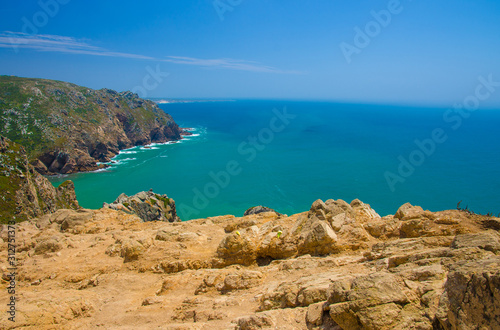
x: 243, y: 154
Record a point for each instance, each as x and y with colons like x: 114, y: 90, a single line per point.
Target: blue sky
x: 418, y: 52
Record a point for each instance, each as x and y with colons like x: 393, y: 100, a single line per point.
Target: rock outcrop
x: 337, y: 266
x: 259, y: 209
x: 24, y: 192
x: 67, y: 128
x: 147, y: 205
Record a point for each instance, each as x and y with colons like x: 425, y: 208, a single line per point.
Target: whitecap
x: 106, y: 169
x: 121, y: 161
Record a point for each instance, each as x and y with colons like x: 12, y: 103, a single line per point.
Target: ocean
x: 287, y: 154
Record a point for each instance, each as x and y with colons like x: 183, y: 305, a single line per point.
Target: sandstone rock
x: 276, y: 319
x: 205, y: 315
x: 91, y: 282
x: 48, y: 245
x: 376, y: 288
x: 407, y: 245
x: 72, y: 218
x: 131, y: 250
x: 240, y: 281
x: 239, y: 247
x: 316, y: 238
x: 171, y: 267
x: 408, y: 211
x: 210, y: 281
x: 300, y: 293
x: 489, y: 241
x: 339, y: 220
x: 239, y: 223
x: 371, y: 302
x: 472, y: 296
x: 363, y: 212
x: 326, y: 211
x: 257, y: 321
x: 166, y: 234
x: 276, y: 242
x: 194, y: 275
x: 383, y: 228
x: 315, y: 314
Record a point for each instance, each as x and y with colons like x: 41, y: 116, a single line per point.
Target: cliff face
x: 338, y: 266
x: 67, y: 128
x: 24, y: 192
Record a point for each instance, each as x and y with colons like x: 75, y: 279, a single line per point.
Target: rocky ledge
x: 338, y: 266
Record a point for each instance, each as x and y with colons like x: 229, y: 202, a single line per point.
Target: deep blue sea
x: 287, y: 154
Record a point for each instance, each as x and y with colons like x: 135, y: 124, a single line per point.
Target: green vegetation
x: 12, y: 169
x: 165, y: 200
x: 46, y: 115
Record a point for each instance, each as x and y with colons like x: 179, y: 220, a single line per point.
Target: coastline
x: 186, y: 132
x: 169, y: 101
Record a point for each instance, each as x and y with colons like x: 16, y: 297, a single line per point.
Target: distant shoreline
x: 167, y: 101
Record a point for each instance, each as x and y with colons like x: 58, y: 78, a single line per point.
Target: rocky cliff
x: 24, y: 192
x: 67, y: 128
x: 337, y: 266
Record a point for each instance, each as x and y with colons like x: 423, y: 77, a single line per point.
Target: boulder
x: 147, y: 205
x: 259, y: 209
x: 239, y: 223
x: 326, y: 211
x: 363, y: 212
x: 48, y: 245
x: 73, y: 218
x: 408, y: 211
x: 131, y: 250
x: 239, y: 247
x: 383, y: 228
x: 316, y: 238
x: 314, y: 316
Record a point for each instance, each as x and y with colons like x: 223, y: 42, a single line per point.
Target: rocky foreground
x: 338, y: 266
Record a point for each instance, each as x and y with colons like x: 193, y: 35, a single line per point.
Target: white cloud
x: 69, y: 45
x: 225, y: 63
x: 59, y: 44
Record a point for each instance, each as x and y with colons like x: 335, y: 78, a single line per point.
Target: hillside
x: 24, y: 192
x: 337, y: 266
x: 67, y: 128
